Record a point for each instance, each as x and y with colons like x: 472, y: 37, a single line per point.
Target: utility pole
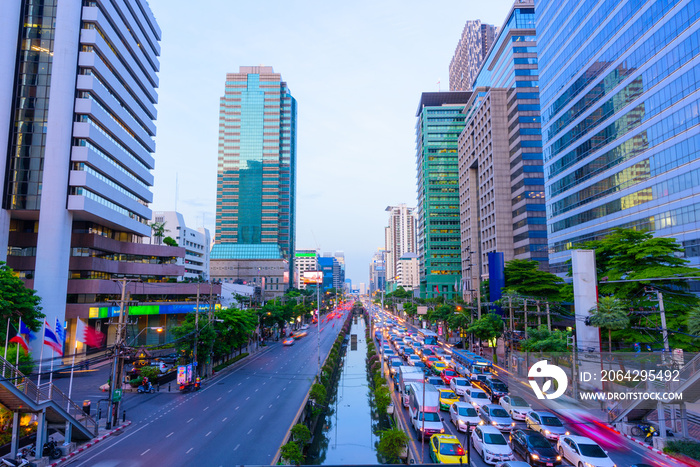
x: 196, y: 332
x: 549, y: 318
x: 510, y: 307
x: 525, y: 308
x: 539, y: 315
x: 118, y: 359
x: 664, y: 330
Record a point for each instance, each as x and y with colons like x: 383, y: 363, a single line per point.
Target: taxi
x: 446, y: 449
x: 447, y: 398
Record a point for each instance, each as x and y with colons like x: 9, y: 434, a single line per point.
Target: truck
x: 424, y: 409
x: 186, y: 380
x: 408, y: 374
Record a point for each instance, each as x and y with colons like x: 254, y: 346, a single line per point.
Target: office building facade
x: 256, y: 176
x: 407, y: 272
x: 196, y: 242
x: 476, y: 40
x: 399, y: 239
x: 440, y: 122
x: 620, y: 115
x: 304, y: 260
x: 501, y: 183
x: 377, y: 272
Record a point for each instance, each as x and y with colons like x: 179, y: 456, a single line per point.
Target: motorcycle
x: 19, y: 461
x: 50, y: 449
x: 648, y: 431
x: 148, y: 388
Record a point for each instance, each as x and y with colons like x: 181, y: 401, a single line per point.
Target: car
x: 491, y: 445
x: 535, y: 448
x: 494, y: 415
x: 516, y: 406
x: 427, y: 352
x: 408, y: 350
x: 436, y: 381
x: 299, y: 334
x: 463, y: 415
x: 447, y: 398
x: 513, y: 464
x: 546, y: 423
x: 580, y: 450
x: 480, y: 381
x: 476, y: 397
x: 288, y: 341
x: 437, y: 367
x: 459, y: 385
x: 447, y: 358
x: 496, y: 389
x: 447, y: 376
x: 304, y: 327
x: 412, y: 359
x: 446, y: 449
x: 430, y: 361
x: 394, y: 365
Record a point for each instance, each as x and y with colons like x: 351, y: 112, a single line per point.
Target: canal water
x: 345, y: 435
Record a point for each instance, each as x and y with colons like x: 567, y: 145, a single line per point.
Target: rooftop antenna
x: 438, y: 83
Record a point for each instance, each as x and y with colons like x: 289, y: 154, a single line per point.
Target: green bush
x: 687, y: 448
x: 391, y: 443
x: 150, y: 372
x: 318, y: 393
x: 291, y: 453
x: 382, y: 398
x: 301, y: 434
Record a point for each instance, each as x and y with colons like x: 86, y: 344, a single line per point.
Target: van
x: 408, y: 374
x: 424, y: 409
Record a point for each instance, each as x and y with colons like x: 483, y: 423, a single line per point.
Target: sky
x: 357, y: 70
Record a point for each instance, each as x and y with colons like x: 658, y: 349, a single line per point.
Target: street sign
x: 117, y: 395
x: 422, y: 310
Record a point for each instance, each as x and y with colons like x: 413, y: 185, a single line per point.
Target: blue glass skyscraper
x: 620, y: 115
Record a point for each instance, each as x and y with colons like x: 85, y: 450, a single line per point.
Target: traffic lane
x: 179, y: 447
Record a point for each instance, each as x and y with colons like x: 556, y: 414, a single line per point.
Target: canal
x: 346, y: 434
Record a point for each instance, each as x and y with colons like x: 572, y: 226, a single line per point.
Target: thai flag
x: 51, y: 340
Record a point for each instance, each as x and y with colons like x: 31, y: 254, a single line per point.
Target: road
x: 238, y: 417
x: 621, y: 450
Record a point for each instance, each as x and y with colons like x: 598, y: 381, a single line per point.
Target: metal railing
x: 46, y: 392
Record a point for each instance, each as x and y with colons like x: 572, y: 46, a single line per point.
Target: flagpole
x: 7, y: 338
x: 41, y: 354
x: 17, y: 358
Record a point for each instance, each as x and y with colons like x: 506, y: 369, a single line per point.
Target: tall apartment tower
x: 256, y: 177
x: 500, y: 155
x: 440, y: 122
x: 470, y: 53
x: 620, y: 121
x: 400, y: 238
x: 77, y: 121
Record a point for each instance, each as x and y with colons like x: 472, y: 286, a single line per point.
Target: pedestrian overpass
x: 51, y: 406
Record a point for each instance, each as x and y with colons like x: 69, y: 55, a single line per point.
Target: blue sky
x: 356, y: 70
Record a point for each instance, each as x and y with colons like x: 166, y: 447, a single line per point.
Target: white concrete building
x: 304, y: 260
x: 407, y: 272
x: 399, y: 239
x: 195, y: 242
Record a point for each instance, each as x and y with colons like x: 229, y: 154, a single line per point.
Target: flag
x: 23, y: 329
x: 51, y: 340
x: 18, y: 339
x: 88, y: 335
x: 60, y: 332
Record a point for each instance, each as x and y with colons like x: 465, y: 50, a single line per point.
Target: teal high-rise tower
x: 256, y: 174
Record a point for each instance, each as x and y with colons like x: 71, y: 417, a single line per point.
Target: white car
x: 580, y: 450
x: 546, y: 423
x: 476, y: 397
x: 463, y: 414
x: 459, y: 385
x: 516, y: 406
x: 491, y: 445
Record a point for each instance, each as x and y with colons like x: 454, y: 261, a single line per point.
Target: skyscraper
x: 400, y: 238
x: 440, y: 122
x: 77, y: 117
x: 620, y: 120
x: 256, y: 177
x: 470, y: 53
x: 500, y: 154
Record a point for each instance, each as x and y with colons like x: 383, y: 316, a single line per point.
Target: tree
x: 170, y: 241
x: 392, y: 443
x: 488, y: 327
x: 301, y: 434
x: 158, y: 229
x: 693, y: 321
x: 542, y: 340
x: 318, y: 393
x: 608, y: 314
x: 17, y: 301
x: 525, y: 278
x: 382, y: 397
x: 292, y: 453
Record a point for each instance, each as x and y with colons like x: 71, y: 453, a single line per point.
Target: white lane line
x: 208, y: 434
x: 170, y: 434
x: 269, y: 406
x: 256, y: 390
x: 261, y: 417
x: 236, y: 408
x: 249, y: 431
x: 237, y: 446
x: 230, y: 390
x: 189, y: 450
x: 144, y: 452
x: 225, y: 418
x: 238, y: 384
x: 205, y: 409
x: 278, y: 396
x: 247, y: 398
x: 188, y: 421
x: 218, y: 399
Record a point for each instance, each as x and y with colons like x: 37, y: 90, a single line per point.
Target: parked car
x: 446, y: 449
x: 516, y: 406
x: 494, y: 415
x: 496, y: 389
x: 459, y: 385
x: 476, y: 397
x: 580, y: 450
x: 546, y: 423
x: 463, y: 413
x: 534, y: 447
x: 491, y: 445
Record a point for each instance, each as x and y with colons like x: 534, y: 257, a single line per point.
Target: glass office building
x: 256, y: 177
x: 620, y: 115
x: 440, y: 121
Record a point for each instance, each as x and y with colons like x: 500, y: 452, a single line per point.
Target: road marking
x: 249, y: 431
x: 144, y: 452
x: 270, y: 406
x: 278, y: 396
x: 238, y: 384
x: 236, y: 408
x: 261, y: 417
x: 170, y: 434
x: 189, y: 450
x: 256, y: 390
x: 225, y: 418
x: 188, y: 421
x: 205, y: 409
x: 208, y: 434
x: 247, y: 398
x: 237, y: 446
x: 218, y: 399
x: 230, y: 390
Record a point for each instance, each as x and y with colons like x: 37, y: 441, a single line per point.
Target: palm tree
x: 693, y: 321
x: 158, y: 229
x: 608, y: 314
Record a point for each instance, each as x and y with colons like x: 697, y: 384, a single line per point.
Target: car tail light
x: 460, y: 451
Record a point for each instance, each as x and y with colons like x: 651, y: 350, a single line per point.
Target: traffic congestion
x: 458, y: 407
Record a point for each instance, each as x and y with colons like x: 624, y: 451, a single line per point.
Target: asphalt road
x: 621, y: 450
x: 238, y: 417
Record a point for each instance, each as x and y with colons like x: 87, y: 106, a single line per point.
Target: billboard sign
x: 312, y: 277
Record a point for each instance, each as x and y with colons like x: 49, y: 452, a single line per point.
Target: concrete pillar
x: 662, y: 419
x: 14, y: 443
x: 684, y: 420
x: 40, y: 434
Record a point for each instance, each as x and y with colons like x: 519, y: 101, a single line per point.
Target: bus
x: 470, y: 364
x: 427, y: 337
